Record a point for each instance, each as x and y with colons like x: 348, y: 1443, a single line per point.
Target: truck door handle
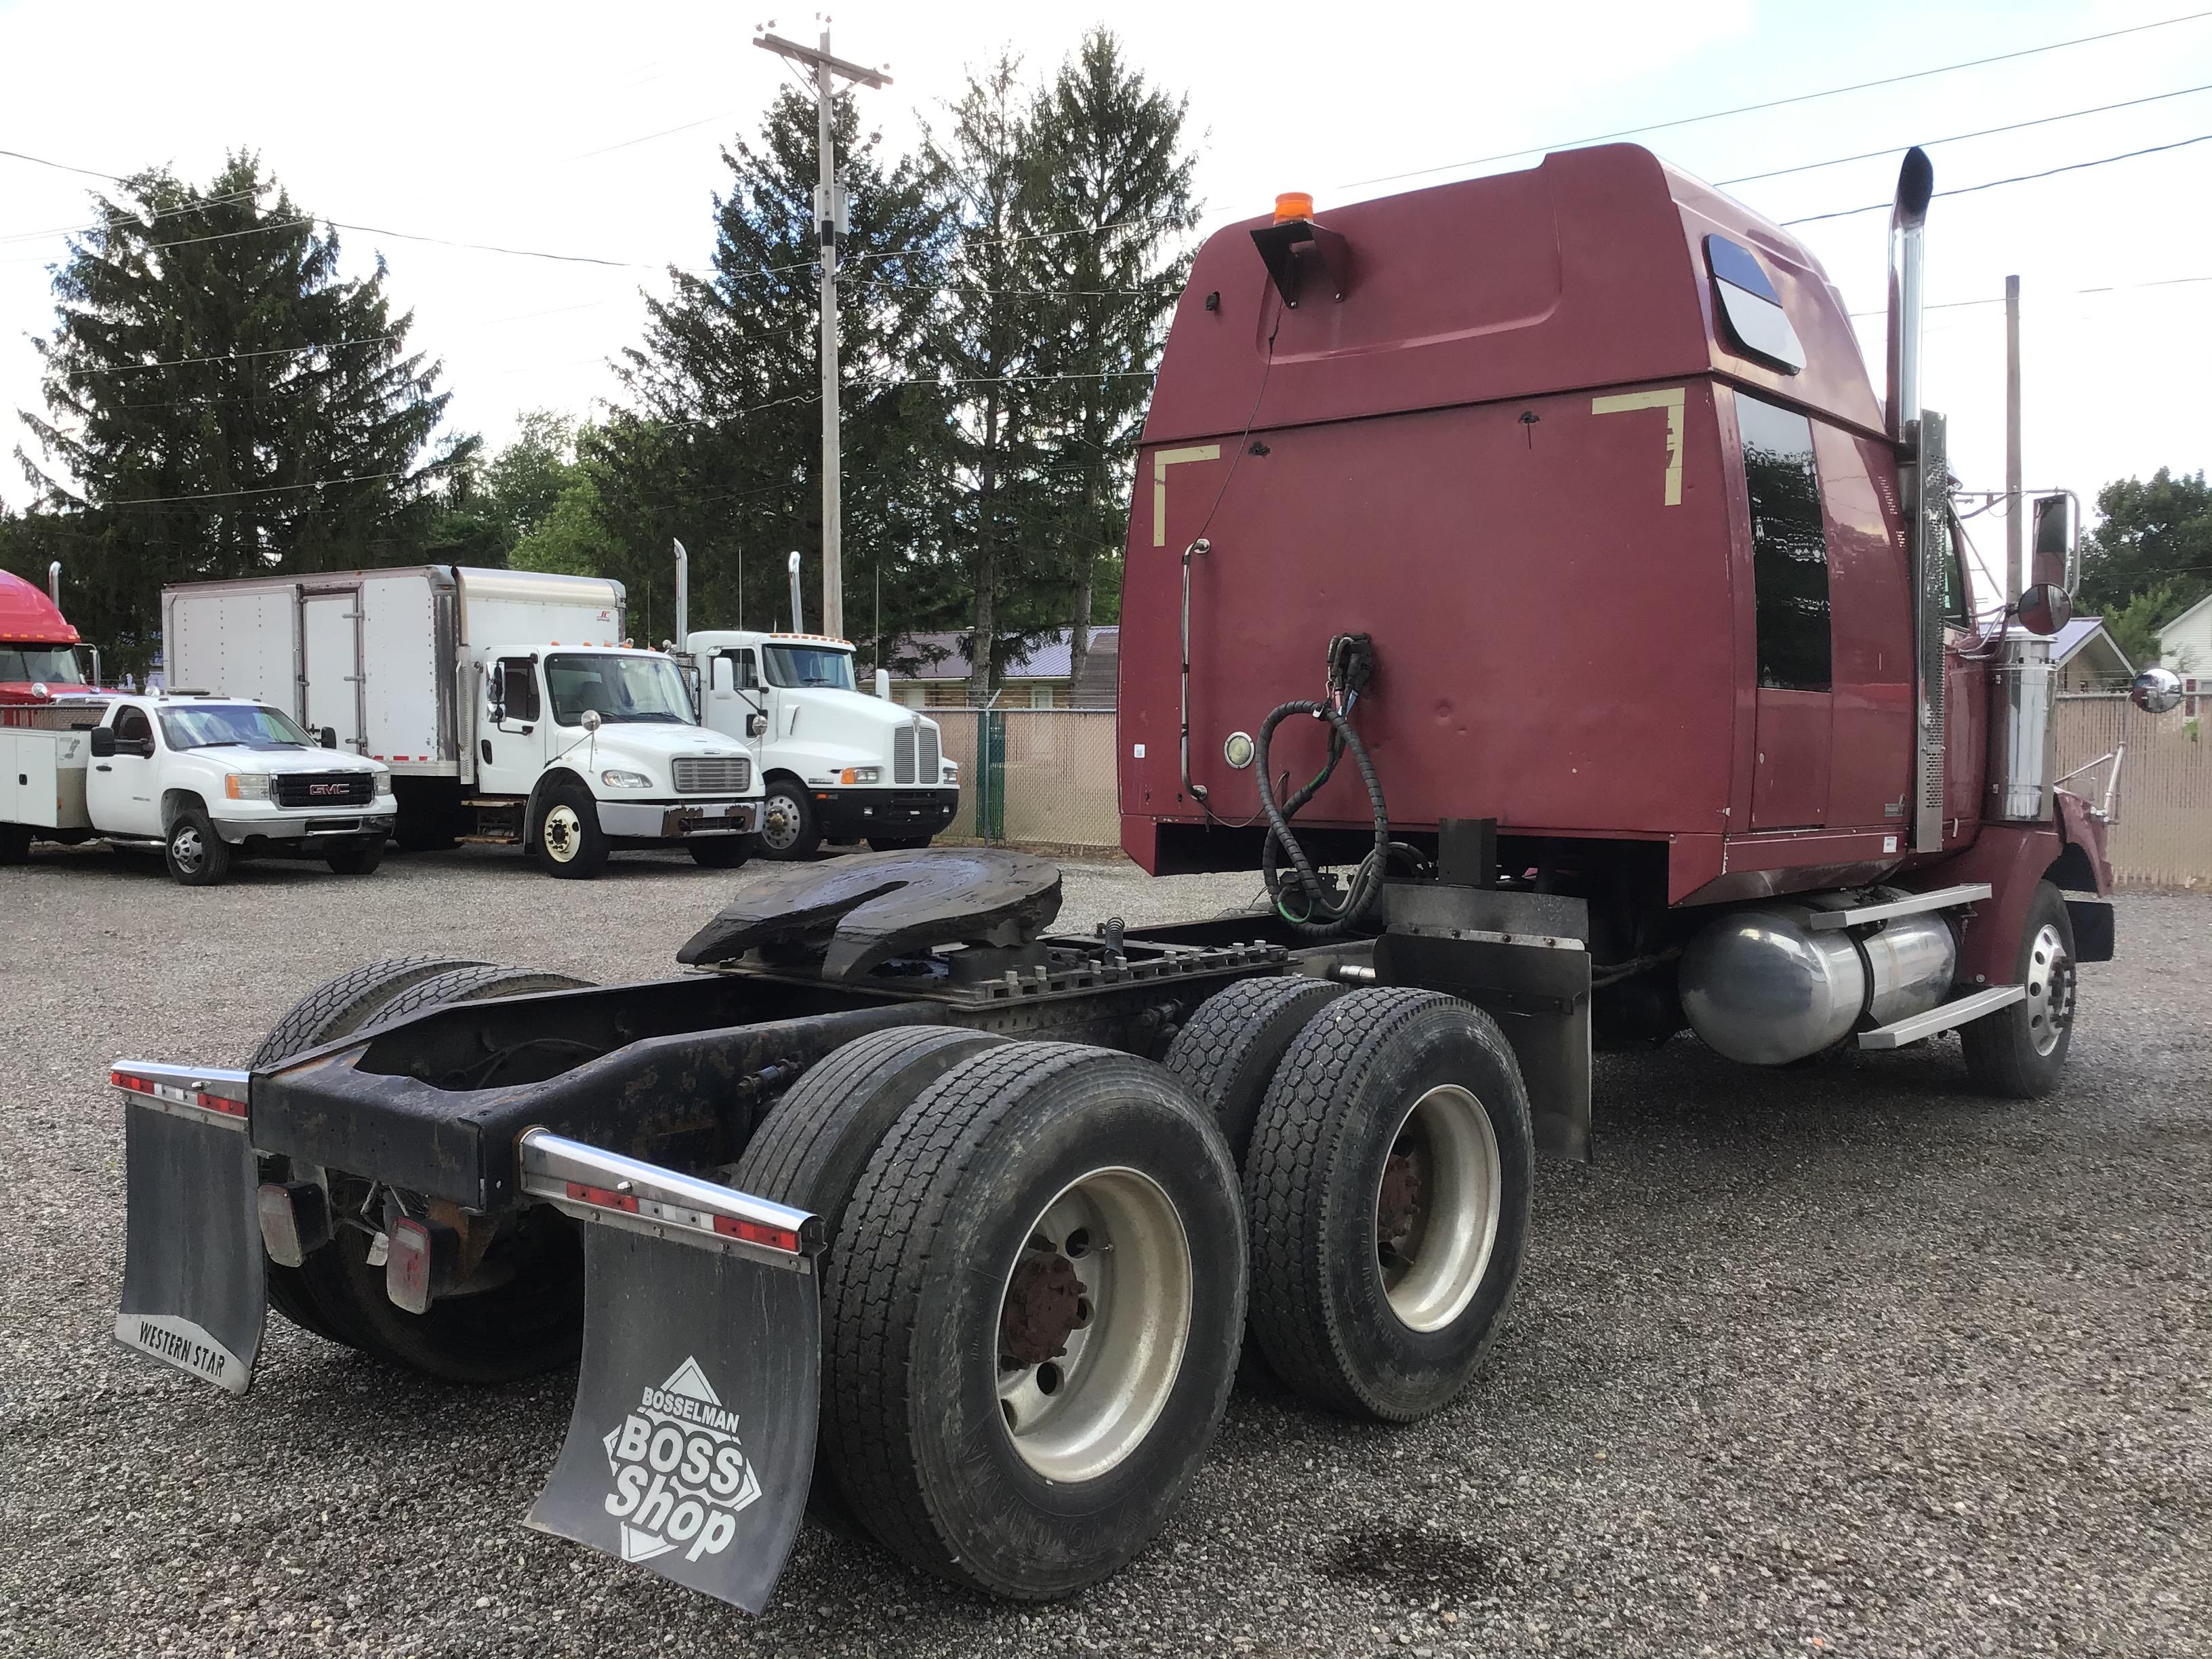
x: 103, y: 769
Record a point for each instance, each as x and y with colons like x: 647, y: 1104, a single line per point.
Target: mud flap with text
x: 194, y: 1293
x: 692, y: 1442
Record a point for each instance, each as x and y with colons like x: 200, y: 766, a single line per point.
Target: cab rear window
x: 1754, y: 324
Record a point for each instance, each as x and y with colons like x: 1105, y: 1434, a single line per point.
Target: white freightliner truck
x: 839, y: 765
x: 205, y: 779
x: 504, y: 702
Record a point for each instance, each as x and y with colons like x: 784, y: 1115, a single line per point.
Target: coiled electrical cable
x: 1321, y: 916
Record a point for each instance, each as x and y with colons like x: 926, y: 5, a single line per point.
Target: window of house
x: 1789, y: 548
x: 1040, y: 697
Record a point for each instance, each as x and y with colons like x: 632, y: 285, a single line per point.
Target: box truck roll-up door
x: 330, y: 635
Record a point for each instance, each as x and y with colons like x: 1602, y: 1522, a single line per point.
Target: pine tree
x: 1110, y: 207
x: 220, y: 402
x: 719, y: 445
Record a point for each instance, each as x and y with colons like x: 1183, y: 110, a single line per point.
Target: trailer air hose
x: 1300, y: 896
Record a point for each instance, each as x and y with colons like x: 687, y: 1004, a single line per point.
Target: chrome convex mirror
x: 590, y: 720
x: 2156, y: 691
x: 2045, y: 609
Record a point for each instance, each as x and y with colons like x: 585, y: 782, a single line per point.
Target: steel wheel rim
x: 184, y: 847
x: 780, y: 823
x: 2050, y: 989
x: 563, y: 834
x: 1434, y: 1262
x: 1077, y: 1414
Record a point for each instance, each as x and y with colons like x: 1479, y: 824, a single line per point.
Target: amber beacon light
x: 1293, y: 204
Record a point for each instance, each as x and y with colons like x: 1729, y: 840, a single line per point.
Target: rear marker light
x: 755, y: 1232
x: 603, y: 1198
x: 418, y: 1263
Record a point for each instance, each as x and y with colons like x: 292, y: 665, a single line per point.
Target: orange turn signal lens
x: 1293, y: 204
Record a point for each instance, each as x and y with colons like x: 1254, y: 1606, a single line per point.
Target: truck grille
x: 914, y: 758
x: 712, y: 774
x: 323, y: 788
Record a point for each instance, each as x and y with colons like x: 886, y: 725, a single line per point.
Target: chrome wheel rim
x: 563, y: 834
x: 1437, y: 1207
x: 185, y: 847
x: 779, y: 830
x: 2050, y: 989
x: 1094, y: 1317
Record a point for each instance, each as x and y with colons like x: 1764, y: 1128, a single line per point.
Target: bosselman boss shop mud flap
x: 194, y: 1289
x: 692, y: 1441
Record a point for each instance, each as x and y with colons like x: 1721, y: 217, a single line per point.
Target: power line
x: 223, y: 495
x: 2016, y: 179
x: 1959, y: 137
x: 1779, y: 103
x: 1998, y: 299
x: 127, y: 219
x: 234, y: 356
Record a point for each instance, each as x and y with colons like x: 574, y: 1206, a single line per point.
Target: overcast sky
x: 548, y: 127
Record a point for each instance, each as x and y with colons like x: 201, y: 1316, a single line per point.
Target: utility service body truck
x: 205, y: 779
x: 505, y: 702
x: 1669, y: 704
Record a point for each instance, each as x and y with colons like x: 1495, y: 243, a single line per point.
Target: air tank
x: 1762, y: 985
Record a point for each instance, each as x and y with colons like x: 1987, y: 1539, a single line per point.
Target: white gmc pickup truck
x: 206, y: 779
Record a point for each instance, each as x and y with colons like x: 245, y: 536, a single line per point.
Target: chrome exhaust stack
x: 1923, y: 473
x: 683, y: 597
x: 798, y: 599
x: 54, y: 583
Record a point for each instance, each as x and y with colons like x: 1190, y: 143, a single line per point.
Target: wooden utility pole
x: 830, y: 223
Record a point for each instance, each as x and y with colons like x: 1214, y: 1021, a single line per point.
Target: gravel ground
x: 1837, y: 1359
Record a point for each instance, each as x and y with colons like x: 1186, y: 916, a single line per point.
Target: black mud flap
x: 692, y: 1442
x: 193, y: 1273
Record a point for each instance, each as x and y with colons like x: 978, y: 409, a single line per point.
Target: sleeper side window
x: 1789, y: 548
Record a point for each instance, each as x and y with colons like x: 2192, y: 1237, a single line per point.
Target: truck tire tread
x: 1226, y: 1054
x: 339, y: 1006
x: 890, y: 1247
x: 1297, y: 1151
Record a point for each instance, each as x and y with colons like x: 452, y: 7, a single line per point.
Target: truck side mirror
x: 330, y: 737
x: 2156, y: 692
x: 103, y: 742
x: 2045, y: 609
x: 755, y: 724
x: 721, y: 679
x: 2053, y: 545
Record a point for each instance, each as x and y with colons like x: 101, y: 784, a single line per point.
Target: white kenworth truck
x: 205, y: 780
x: 505, y: 702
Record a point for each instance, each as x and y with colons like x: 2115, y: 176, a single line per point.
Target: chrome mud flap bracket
x: 194, y: 1280
x: 691, y: 1445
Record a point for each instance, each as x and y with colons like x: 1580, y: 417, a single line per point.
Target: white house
x: 2185, y: 644
x: 2087, y: 658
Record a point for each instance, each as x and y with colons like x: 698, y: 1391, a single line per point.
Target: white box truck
x: 505, y: 702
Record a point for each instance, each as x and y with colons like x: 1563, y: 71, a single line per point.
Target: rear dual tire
x: 532, y: 1318
x: 1031, y: 1317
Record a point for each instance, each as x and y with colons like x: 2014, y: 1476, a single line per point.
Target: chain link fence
x: 1039, y: 776
x: 2162, y: 836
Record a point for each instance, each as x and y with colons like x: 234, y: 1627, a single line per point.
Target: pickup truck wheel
x: 197, y: 856
x: 721, y: 852
x: 357, y: 860
x: 15, y: 842
x: 569, y: 835
x: 336, y: 1008
x: 529, y: 1316
x: 1026, y: 1424
x: 789, y: 826
x: 2018, y: 1052
x: 810, y: 1150
x: 1388, y: 1186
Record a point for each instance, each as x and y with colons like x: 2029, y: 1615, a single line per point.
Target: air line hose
x: 1350, y: 662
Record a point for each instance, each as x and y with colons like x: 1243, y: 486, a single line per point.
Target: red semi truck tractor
x: 1533, y: 549
x: 39, y: 661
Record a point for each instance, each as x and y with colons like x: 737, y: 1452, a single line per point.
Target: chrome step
x: 1941, y: 898
x: 1948, y: 1017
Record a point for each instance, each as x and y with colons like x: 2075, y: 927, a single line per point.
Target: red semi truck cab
x: 1589, y: 451
x: 37, y: 646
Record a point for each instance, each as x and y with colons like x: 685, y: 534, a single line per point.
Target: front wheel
x: 790, y: 829
x: 569, y: 835
x: 1026, y: 1424
x: 197, y: 856
x: 2018, y: 1052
